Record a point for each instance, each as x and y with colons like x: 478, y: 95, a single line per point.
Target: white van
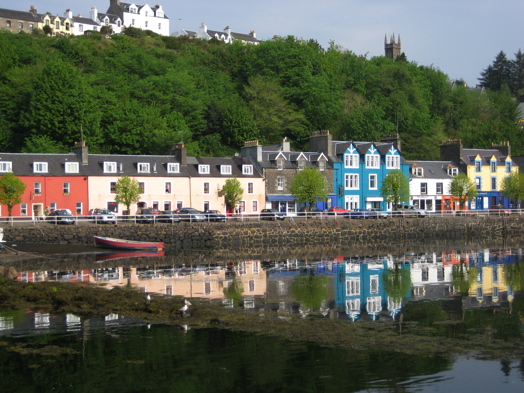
x: 409, y: 211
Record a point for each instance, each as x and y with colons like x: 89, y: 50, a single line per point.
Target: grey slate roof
x: 468, y: 156
x: 433, y: 169
x: 18, y: 15
x: 22, y: 165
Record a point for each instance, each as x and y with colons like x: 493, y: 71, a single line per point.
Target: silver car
x: 102, y: 216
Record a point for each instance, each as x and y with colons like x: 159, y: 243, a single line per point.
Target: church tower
x: 392, y: 49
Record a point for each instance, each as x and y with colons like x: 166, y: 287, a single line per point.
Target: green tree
x: 309, y: 186
x: 498, y: 74
x: 395, y: 187
x: 513, y: 187
x: 127, y: 191
x: 462, y: 188
x: 11, y: 190
x: 232, y: 192
x: 397, y: 283
x: 310, y: 290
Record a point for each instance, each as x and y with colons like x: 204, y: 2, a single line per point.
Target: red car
x: 337, y: 210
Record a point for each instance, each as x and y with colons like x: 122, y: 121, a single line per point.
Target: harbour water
x: 447, y: 293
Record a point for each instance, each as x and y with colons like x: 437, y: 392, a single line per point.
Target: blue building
x: 360, y: 168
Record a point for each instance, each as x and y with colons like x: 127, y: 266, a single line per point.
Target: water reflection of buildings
x: 361, y: 287
x: 203, y: 281
x: 361, y: 290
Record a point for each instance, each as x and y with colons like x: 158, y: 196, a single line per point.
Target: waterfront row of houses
x: 354, y: 171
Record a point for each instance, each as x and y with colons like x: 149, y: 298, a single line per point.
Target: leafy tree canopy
x: 395, y: 187
x: 232, y: 191
x: 127, y: 191
x: 11, y: 190
x: 462, y: 188
x: 309, y: 186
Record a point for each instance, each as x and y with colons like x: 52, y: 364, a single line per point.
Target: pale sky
x: 459, y: 37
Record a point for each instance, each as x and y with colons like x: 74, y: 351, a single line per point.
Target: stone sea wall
x: 236, y: 235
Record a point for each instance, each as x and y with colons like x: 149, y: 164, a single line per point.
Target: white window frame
x: 452, y: 171
x: 392, y: 162
x: 23, y: 209
x: 301, y: 164
x: 280, y: 164
x: 143, y: 167
x: 72, y: 167
x: 374, y: 283
x: 40, y: 167
x: 79, y: 208
x: 353, y: 286
x: 173, y: 167
x: 417, y: 171
x: 372, y: 161
x: 247, y: 169
x: 37, y: 188
x: 203, y: 169
x: 226, y: 170
x: 423, y: 188
x: 351, y: 181
x: 110, y: 167
x: 351, y: 160
x: 373, y: 181
x: 6, y: 166
x: 440, y: 188
x: 321, y: 165
x: 67, y: 187
x: 280, y: 183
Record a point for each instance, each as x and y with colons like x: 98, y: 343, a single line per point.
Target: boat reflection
x: 100, y: 257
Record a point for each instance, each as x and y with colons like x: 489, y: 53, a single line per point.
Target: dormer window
x: 173, y: 167
x: 40, y: 167
x: 322, y: 165
x: 392, y: 162
x: 203, y: 169
x: 6, y: 166
x: 109, y: 167
x: 372, y: 161
x: 301, y: 164
x: 452, y: 171
x: 417, y: 171
x: 508, y: 166
x: 225, y: 170
x: 247, y: 169
x: 72, y: 167
x: 143, y: 167
x: 280, y: 164
x: 493, y: 166
x: 351, y: 160
x: 477, y: 166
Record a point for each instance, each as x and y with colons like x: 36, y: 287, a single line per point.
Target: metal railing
x: 242, y: 217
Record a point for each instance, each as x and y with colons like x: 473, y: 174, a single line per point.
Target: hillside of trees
x: 139, y: 93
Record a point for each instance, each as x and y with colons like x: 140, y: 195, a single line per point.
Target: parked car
x: 60, y: 217
x: 377, y: 213
x: 499, y: 210
x: 103, y: 216
x: 214, y: 215
x: 409, y: 211
x: 314, y: 212
x: 145, y: 215
x: 271, y: 214
x: 337, y: 210
x: 190, y: 214
x: 168, y: 216
x: 357, y: 213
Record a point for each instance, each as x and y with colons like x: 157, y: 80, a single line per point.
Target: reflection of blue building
x: 360, y: 288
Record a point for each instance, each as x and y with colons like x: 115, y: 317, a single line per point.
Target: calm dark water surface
x: 451, y: 293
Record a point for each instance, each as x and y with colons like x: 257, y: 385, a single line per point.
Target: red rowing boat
x: 121, y: 244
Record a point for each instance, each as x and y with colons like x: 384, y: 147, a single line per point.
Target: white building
x: 142, y: 17
x: 429, y: 183
x: 226, y: 35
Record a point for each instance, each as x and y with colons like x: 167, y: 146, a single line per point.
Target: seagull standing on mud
x: 184, y: 308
